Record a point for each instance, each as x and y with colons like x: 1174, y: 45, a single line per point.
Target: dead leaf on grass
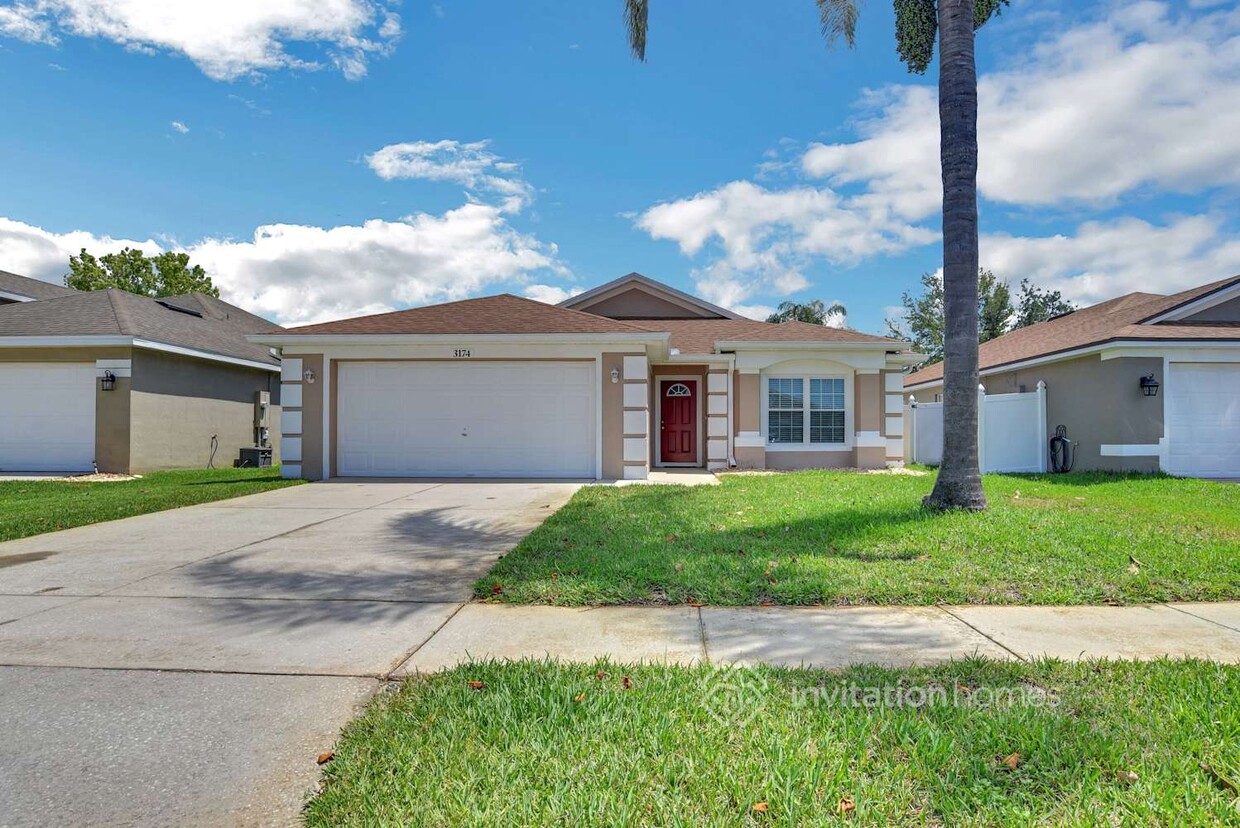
x: 627, y: 682
x: 497, y: 589
x: 1011, y: 761
x: 477, y: 685
x: 579, y: 697
x: 1134, y: 566
x: 760, y: 807
x: 324, y: 758
x: 1126, y: 777
x: 600, y: 675
x: 846, y: 806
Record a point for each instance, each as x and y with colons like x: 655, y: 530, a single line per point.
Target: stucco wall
x: 178, y: 403
x: 788, y: 460
x: 613, y: 417
x: 1099, y: 402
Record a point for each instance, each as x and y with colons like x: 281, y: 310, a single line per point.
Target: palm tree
x: 918, y: 22
x: 815, y: 312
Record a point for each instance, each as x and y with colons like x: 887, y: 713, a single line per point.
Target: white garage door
x: 1203, y: 419
x: 463, y: 419
x: 47, y: 416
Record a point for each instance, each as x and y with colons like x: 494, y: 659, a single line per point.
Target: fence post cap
x: 1041, y: 385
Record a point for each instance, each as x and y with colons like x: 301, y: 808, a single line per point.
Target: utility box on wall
x: 262, y: 419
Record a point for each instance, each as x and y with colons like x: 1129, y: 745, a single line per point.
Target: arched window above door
x: 678, y: 390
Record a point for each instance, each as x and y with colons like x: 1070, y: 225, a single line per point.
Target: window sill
x: 825, y: 447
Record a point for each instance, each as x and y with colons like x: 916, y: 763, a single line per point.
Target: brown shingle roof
x: 698, y: 336
x: 33, y: 288
x: 503, y: 314
x: 1115, y: 319
x: 115, y: 312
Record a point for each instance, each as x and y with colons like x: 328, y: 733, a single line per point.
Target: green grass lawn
x: 1106, y: 743
x: 31, y: 507
x: 848, y: 538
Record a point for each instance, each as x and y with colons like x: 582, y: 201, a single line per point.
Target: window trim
x: 850, y: 436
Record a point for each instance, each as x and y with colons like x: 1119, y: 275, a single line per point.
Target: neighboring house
x: 14, y: 288
x: 183, y: 382
x: 1093, y: 361
x: 626, y: 377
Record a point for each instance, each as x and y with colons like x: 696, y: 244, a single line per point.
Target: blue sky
x: 325, y: 158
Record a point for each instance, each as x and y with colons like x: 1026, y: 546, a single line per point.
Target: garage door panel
x: 47, y: 417
x: 502, y: 419
x: 1203, y: 419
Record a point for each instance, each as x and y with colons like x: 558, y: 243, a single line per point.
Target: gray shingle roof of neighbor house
x: 32, y: 289
x: 204, y: 323
x: 1116, y: 319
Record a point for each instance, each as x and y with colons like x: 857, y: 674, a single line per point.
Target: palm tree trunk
x: 959, y: 484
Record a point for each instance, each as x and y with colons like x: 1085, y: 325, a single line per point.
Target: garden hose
x: 1063, y: 451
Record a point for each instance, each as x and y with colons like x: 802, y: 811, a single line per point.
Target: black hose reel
x: 1062, y: 451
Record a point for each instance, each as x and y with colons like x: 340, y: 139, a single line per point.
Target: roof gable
x: 635, y: 296
x: 1215, y: 302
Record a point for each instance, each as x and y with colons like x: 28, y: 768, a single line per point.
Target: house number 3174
x: 461, y: 353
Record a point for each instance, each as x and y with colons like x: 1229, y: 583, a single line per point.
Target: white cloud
x: 180, y: 127
x: 1137, y: 100
x: 1142, y: 98
x: 299, y: 274
x: 1104, y: 259
x: 469, y: 164
x: 225, y: 39
x: 766, y: 237
x: 551, y: 294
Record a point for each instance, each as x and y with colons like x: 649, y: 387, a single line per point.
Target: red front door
x: 678, y: 430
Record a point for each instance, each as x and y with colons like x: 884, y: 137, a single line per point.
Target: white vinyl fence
x: 1011, y: 431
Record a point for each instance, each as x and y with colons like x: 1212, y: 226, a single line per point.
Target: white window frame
x: 849, y: 432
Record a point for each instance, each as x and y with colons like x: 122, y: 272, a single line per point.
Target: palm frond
x: 838, y: 18
x: 635, y: 14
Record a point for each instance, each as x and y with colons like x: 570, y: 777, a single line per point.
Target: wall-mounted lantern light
x: 615, y: 374
x: 308, y: 376
x: 108, y: 381
x: 1149, y: 386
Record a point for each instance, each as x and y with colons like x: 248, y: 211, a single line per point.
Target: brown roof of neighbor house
x: 114, y: 312
x: 32, y: 288
x: 1115, y: 319
x: 698, y: 336
x: 502, y: 314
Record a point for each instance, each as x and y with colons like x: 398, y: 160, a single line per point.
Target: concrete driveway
x: 186, y: 667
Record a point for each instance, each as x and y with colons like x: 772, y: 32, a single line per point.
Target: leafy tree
x: 815, y: 312
x: 923, y: 320
x: 1038, y: 305
x: 168, y: 274
x: 918, y: 24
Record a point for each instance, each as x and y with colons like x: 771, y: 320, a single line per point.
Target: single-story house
x: 14, y: 288
x: 1143, y: 382
x: 623, y: 378
x: 124, y: 383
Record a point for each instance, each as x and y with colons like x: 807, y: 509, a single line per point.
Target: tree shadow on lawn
x: 586, y: 555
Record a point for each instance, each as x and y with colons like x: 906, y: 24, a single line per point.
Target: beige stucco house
x: 1093, y: 362
x: 630, y: 376
x: 128, y: 384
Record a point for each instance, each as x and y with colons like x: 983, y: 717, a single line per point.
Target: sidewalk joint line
x: 403, y: 660
x: 943, y: 608
x: 194, y: 671
x: 1200, y: 617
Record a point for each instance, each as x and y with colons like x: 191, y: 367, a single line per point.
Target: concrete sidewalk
x: 831, y: 637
